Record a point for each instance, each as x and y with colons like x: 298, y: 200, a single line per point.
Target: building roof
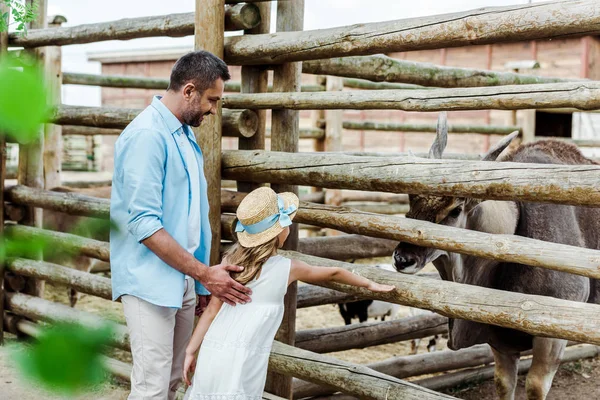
x: 139, y: 55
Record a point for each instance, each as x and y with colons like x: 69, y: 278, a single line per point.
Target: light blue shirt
x: 151, y: 190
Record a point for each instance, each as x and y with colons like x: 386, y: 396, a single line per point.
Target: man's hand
x: 220, y: 284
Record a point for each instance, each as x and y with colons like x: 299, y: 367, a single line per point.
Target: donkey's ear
x: 441, y: 137
x: 495, y: 151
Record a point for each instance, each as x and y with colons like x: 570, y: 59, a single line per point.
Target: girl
x: 236, y: 341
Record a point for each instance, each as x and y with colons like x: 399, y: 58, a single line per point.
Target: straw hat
x: 263, y: 214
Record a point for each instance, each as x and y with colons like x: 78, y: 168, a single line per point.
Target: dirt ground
x: 578, y: 380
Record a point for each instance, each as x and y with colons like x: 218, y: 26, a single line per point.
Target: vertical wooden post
x: 333, y: 140
x: 255, y: 79
x: 284, y: 137
x: 594, y: 58
x: 53, y: 133
x: 31, y: 167
x: 528, y: 124
x: 209, y: 36
x: 3, y: 52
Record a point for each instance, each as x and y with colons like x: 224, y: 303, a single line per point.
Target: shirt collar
x: 173, y: 124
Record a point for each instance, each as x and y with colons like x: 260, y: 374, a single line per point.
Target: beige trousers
x: 158, y: 336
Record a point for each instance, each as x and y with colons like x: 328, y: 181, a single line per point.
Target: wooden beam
x: 67, y: 242
x: 142, y: 82
x: 483, y: 373
x: 579, y: 95
x: 481, y: 26
x: 347, y: 247
x: 340, y: 338
x: 564, y: 184
x: 39, y: 309
x: 470, y: 129
x: 3, y: 53
x: 89, y: 131
x: 559, y: 257
x: 81, y: 281
x: 208, y: 35
x: 365, y: 84
x: 381, y: 68
x: 172, y: 25
x: 53, y: 133
x: 412, y: 365
x: 255, y: 80
x: 31, y: 155
x: 285, y: 126
x: 350, y: 378
x: 234, y: 123
x: 536, y: 315
x: 242, y: 16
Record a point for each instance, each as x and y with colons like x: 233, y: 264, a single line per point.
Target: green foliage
x: 66, y: 358
x: 23, y: 105
x: 22, y: 14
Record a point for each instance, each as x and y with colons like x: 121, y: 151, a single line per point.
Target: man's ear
x: 188, y: 90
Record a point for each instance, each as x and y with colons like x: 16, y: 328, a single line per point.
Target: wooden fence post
x: 285, y: 127
x: 255, y: 79
x: 53, y: 133
x: 209, y: 31
x: 31, y: 167
x: 333, y: 140
x: 3, y: 52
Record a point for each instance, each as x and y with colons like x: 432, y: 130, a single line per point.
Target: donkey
x: 572, y: 225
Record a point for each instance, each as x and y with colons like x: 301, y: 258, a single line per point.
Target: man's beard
x: 193, y: 119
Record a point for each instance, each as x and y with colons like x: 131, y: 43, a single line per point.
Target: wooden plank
x: 81, y: 281
x: 208, y: 35
x: 31, y: 160
x: 483, y: 373
x: 255, y: 80
x: 467, y: 129
x: 350, y: 378
x: 359, y: 336
x: 142, y: 82
x: 481, y: 26
x: 413, y: 365
x: 559, y: 257
x: 234, y: 123
x: 536, y: 315
x: 285, y: 125
x: 53, y: 133
x: 579, y: 95
x: 36, y: 309
x: 381, y: 68
x: 564, y: 184
x: 3, y: 53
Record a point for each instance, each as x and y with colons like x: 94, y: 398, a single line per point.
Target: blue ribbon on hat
x: 283, y: 216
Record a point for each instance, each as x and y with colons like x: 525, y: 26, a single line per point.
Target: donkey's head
x: 443, y: 210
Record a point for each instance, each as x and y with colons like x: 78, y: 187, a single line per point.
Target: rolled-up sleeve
x: 145, y: 154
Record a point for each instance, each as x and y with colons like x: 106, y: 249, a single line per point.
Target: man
x: 161, y: 241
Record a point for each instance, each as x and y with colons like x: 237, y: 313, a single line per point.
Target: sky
x: 319, y: 14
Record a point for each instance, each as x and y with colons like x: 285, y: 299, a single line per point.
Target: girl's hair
x: 251, y: 258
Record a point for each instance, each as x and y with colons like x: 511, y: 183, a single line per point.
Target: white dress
x: 233, y: 358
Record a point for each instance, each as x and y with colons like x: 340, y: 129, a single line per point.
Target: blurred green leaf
x: 21, y: 247
x: 23, y: 105
x: 66, y: 358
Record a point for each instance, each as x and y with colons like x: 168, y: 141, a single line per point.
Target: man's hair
x: 199, y: 67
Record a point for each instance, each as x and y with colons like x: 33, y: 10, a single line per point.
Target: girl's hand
x: 189, y: 365
x: 377, y: 287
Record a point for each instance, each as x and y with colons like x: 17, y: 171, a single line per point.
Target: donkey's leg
x: 546, y: 359
x: 505, y: 374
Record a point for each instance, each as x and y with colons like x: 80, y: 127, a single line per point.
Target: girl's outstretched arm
x: 189, y: 365
x: 304, y: 272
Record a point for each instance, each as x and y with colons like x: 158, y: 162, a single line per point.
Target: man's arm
x: 216, y: 279
x: 143, y: 164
